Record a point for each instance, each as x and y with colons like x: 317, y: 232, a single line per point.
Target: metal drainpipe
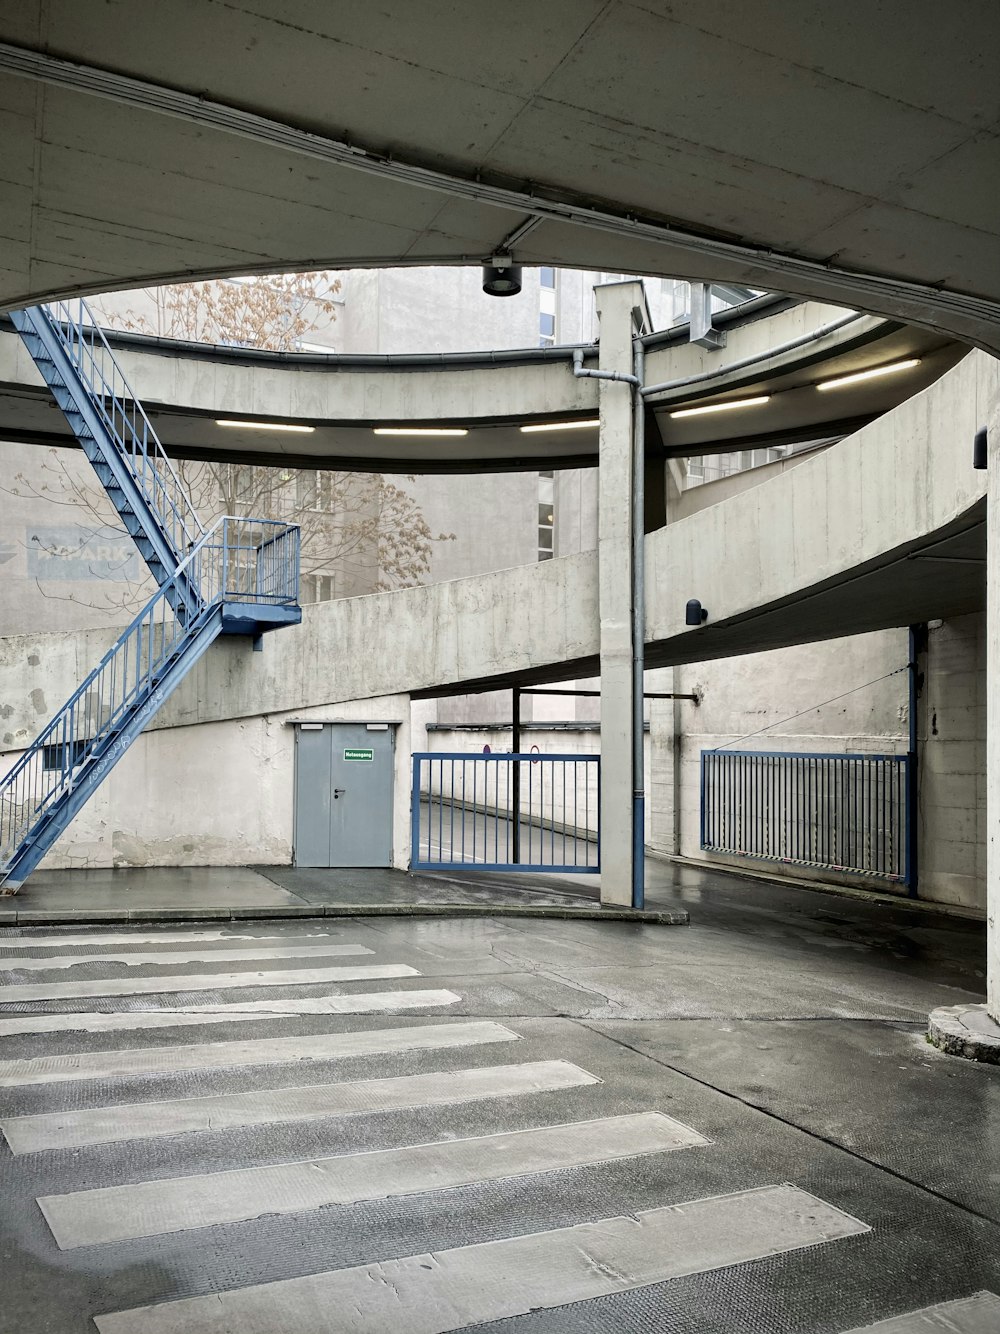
x: 637, y: 594
x: 916, y: 634
x: 717, y: 371
x: 638, y: 631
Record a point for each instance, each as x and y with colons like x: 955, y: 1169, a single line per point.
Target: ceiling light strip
x: 419, y: 430
x: 265, y: 426
x: 171, y: 102
x: 538, y: 427
x: 723, y: 407
x: 871, y: 374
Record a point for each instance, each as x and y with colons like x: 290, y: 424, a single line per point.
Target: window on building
x: 315, y: 490
x: 546, y: 277
x: 64, y: 755
x: 319, y: 588
x: 546, y: 515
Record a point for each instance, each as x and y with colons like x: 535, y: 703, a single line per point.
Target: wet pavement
x: 734, y: 1127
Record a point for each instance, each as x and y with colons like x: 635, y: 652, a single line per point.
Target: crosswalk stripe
x: 149, y: 1120
x: 126, y: 936
x: 470, y: 1285
x: 141, y: 959
x: 253, y: 1051
x: 177, y: 1204
x: 89, y: 1021
x: 140, y: 986
x: 971, y: 1315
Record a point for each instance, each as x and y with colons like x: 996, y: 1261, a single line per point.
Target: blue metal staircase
x: 239, y: 577
x: 74, y: 359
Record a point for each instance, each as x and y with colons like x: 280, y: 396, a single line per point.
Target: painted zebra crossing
x: 442, y: 1290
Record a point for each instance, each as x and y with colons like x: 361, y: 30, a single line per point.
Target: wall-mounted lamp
x: 979, y: 447
x: 501, y: 277
x: 694, y: 613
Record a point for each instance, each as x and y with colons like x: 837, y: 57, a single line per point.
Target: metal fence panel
x: 836, y: 812
x: 463, y: 812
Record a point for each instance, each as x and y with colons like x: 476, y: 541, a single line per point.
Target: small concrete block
x: 179, y: 914
x: 70, y: 916
x: 279, y: 910
x: 965, y: 1030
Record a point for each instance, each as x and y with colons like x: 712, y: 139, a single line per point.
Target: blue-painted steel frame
x: 417, y: 863
x: 804, y: 799
x: 140, y: 471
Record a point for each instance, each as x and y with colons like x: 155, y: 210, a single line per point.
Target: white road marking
x: 177, y: 1204
x: 971, y: 1315
x: 148, y: 1120
x: 139, y: 986
x: 90, y: 1021
x: 470, y: 1285
x: 126, y: 936
x: 253, y: 1051
x: 138, y: 959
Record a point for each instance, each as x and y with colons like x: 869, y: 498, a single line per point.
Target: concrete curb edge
x: 130, y: 916
x: 964, y: 1030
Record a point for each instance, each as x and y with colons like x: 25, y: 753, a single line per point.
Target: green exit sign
x: 359, y: 754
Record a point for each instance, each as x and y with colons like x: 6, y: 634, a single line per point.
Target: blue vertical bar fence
x: 463, y: 812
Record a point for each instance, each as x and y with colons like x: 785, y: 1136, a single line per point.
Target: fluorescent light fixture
x: 723, y: 407
x: 266, y: 426
x: 419, y: 430
x: 561, y: 426
x: 890, y: 369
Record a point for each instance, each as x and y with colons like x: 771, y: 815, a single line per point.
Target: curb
x: 859, y: 893
x: 131, y: 916
x: 965, y: 1030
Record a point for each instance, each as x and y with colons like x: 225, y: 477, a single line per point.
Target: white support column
x: 616, y: 303
x: 993, y: 722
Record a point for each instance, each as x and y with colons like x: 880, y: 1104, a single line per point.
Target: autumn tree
x: 360, y: 531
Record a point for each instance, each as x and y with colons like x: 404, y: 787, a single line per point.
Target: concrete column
x: 993, y: 723
x: 616, y: 303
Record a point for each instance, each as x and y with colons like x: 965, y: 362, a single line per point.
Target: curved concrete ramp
x: 884, y: 529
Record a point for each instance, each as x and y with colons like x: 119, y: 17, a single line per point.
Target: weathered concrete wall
x: 219, y: 794
x: 290, y: 390
x: 754, y: 701
x: 904, y: 475
x: 952, y: 763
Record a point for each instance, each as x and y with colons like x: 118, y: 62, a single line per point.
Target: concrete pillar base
x: 966, y: 1030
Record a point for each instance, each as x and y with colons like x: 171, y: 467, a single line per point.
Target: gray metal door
x: 343, y: 795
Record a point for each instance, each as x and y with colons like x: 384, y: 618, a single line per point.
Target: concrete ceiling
x: 849, y: 152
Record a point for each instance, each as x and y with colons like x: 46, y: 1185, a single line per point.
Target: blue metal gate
x: 836, y: 812
x: 463, y: 812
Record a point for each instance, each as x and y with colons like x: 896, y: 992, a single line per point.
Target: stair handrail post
x: 60, y: 313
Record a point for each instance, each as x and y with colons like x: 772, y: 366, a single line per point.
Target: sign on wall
x: 74, y: 551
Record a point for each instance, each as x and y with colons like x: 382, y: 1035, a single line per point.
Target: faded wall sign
x: 73, y: 551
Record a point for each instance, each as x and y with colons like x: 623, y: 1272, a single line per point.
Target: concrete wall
x: 219, y: 794
x: 952, y: 763
x: 751, y: 703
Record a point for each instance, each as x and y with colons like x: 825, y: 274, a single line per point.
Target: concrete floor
x: 782, y: 1031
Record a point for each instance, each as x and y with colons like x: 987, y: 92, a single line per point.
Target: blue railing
x: 239, y: 560
x: 462, y: 815
x: 125, y: 420
x: 845, y: 813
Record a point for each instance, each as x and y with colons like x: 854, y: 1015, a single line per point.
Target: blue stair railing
x: 240, y: 577
x: 74, y: 358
